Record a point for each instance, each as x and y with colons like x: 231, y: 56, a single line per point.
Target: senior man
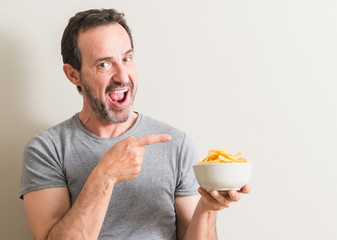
x: 109, y: 172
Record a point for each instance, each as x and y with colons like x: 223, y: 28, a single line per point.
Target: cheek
x: 97, y: 86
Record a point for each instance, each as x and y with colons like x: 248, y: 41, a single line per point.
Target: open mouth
x: 119, y: 97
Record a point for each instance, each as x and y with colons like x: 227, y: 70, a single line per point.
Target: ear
x: 72, y: 74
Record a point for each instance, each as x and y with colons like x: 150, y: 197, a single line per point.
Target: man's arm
x: 50, y: 216
x: 197, y: 219
x: 191, y: 221
x: 49, y: 213
x: 44, y: 208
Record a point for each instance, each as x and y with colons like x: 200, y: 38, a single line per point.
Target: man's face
x: 108, y: 72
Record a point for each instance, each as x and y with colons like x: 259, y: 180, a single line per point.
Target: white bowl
x: 222, y: 176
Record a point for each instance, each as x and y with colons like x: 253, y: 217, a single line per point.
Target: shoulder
x: 53, y: 135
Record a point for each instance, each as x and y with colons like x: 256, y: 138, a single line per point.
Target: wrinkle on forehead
x: 110, y: 40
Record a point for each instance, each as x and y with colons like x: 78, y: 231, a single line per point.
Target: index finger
x: 152, y: 139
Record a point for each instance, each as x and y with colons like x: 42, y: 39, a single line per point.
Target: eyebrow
x: 110, y: 58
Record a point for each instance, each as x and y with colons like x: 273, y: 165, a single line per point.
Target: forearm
x: 203, y: 224
x: 85, y: 218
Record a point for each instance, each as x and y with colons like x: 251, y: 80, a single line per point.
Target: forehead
x: 103, y: 41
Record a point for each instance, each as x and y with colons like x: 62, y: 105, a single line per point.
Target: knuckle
x: 137, y: 170
x: 129, y: 140
x: 234, y: 197
x: 137, y: 161
x: 133, y: 176
x: 133, y: 154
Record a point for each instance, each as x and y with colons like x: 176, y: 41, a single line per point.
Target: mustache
x: 114, y: 85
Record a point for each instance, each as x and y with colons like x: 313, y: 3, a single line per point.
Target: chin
x: 118, y: 117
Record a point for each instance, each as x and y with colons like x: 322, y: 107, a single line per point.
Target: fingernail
x: 168, y: 138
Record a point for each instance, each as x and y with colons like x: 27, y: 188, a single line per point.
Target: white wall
x: 257, y: 76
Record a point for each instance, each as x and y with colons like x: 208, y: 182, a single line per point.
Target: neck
x: 105, y: 129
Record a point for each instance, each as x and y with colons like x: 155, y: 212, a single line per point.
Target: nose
x: 121, y: 73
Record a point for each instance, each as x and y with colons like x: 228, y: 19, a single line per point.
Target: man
x: 109, y: 172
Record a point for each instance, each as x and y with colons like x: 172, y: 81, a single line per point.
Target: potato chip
x: 222, y: 156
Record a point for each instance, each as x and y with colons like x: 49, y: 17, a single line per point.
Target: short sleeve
x: 41, y: 166
x: 186, y: 182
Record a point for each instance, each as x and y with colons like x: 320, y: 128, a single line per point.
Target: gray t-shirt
x: 142, y: 208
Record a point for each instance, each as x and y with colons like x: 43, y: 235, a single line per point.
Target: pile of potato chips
x: 222, y: 156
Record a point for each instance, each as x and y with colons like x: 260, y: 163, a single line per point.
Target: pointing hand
x: 122, y: 162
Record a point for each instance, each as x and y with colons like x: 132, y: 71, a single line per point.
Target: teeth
x: 121, y: 91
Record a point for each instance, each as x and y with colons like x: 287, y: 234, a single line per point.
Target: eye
x: 103, y: 65
x: 127, y: 59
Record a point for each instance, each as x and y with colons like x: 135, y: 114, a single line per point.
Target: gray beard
x: 102, y: 111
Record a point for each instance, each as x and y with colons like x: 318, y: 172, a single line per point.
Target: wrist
x: 102, y: 176
x: 204, y: 207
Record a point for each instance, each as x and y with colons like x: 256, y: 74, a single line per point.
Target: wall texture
x: 257, y: 76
